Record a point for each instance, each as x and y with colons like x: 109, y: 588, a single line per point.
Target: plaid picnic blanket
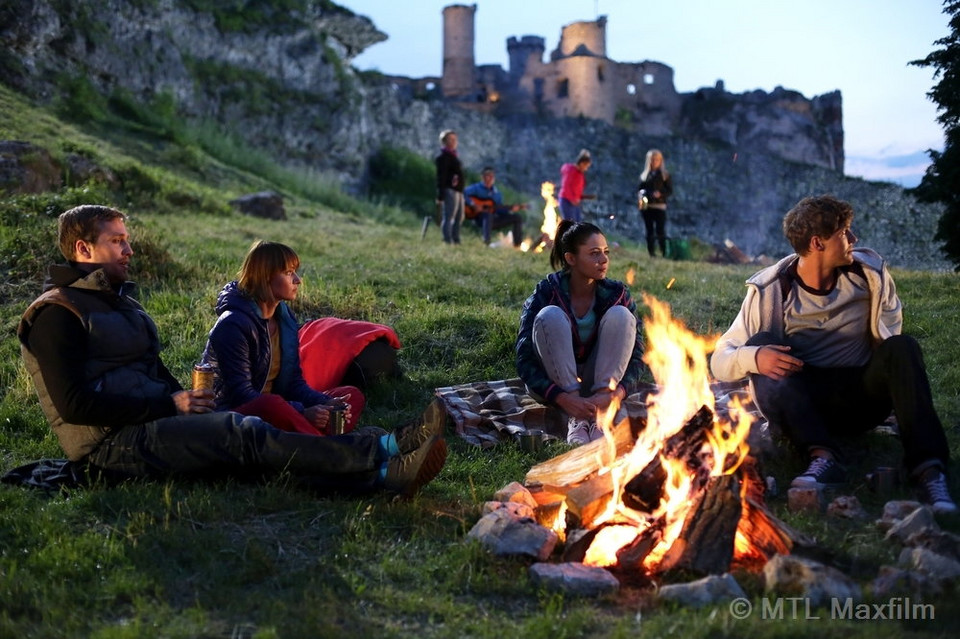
x: 487, y: 413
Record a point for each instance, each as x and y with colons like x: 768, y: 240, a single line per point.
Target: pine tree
x: 941, y: 182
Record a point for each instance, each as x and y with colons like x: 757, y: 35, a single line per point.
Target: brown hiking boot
x: 408, y: 473
x: 413, y: 434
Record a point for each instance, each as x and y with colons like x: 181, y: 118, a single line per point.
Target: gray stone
x: 81, y: 169
x: 27, y: 168
x: 516, y: 492
x: 504, y: 534
x: 703, y: 592
x: 516, y: 509
x: 929, y: 563
x: 574, y: 578
x: 919, y: 520
x: 894, y: 511
x: 788, y: 575
x: 805, y: 500
x: 896, y: 582
x: 846, y: 507
x: 938, y: 541
x: 265, y: 204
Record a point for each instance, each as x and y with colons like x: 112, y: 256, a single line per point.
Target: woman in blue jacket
x: 254, y: 349
x: 580, y: 343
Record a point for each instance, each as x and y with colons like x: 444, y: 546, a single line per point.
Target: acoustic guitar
x: 475, y: 206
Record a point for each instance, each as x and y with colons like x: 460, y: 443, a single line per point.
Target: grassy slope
x: 184, y: 560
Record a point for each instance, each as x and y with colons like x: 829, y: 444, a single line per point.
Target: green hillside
x: 226, y: 559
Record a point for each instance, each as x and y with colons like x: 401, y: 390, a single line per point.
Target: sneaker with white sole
x: 578, y: 431
x: 934, y: 493
x: 821, y: 473
x: 595, y: 431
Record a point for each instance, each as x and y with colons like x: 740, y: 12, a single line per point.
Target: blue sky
x: 861, y: 47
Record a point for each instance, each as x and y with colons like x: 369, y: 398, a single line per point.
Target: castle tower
x: 583, y: 38
x: 458, y: 79
x: 521, y: 51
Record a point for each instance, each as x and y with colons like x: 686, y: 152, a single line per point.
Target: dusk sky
x: 860, y: 47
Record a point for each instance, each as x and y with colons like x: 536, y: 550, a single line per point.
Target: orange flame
x: 550, y: 219
x: 678, y: 360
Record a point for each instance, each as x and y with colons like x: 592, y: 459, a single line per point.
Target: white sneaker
x: 934, y: 492
x: 595, y: 431
x: 578, y: 431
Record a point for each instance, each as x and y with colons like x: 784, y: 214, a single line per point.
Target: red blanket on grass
x: 329, y: 344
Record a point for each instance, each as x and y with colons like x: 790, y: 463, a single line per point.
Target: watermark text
x: 806, y: 609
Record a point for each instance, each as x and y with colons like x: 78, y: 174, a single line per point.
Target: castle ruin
x: 579, y: 80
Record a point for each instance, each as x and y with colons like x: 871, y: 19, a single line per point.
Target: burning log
x: 644, y: 491
x: 706, y: 543
x: 631, y: 556
x: 569, y: 469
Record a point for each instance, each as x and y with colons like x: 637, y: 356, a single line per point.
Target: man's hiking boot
x: 408, y: 473
x: 933, y: 491
x: 821, y: 473
x: 413, y: 434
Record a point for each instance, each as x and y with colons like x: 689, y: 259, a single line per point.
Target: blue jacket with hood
x: 238, y: 347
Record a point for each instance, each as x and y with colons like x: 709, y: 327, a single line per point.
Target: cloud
x: 906, y: 170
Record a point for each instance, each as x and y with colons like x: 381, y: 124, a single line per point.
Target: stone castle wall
x: 293, y: 95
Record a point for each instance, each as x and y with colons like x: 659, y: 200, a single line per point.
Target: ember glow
x: 678, y: 360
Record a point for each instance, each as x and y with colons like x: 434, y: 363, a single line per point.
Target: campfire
x: 550, y: 220
x: 676, y: 489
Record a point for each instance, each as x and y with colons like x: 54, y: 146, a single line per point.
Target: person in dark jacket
x: 94, y: 356
x: 580, y: 343
x: 255, y: 351
x: 450, y: 187
x: 652, y: 192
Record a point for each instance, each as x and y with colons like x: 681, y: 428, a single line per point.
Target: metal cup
x: 336, y: 423
x: 531, y: 441
x: 883, y: 480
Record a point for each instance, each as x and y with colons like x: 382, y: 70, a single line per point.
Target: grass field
x: 228, y: 559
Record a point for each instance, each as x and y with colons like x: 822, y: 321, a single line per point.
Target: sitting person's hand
x: 340, y: 403
x: 194, y: 401
x: 318, y: 416
x: 775, y: 362
x: 576, y: 406
x: 602, y: 398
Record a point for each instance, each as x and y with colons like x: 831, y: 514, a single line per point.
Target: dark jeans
x: 816, y: 405
x: 502, y: 218
x: 227, y: 443
x: 655, y: 221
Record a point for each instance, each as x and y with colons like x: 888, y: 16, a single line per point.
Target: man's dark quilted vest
x: 123, y: 347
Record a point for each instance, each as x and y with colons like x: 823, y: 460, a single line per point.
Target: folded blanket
x: 486, y: 413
